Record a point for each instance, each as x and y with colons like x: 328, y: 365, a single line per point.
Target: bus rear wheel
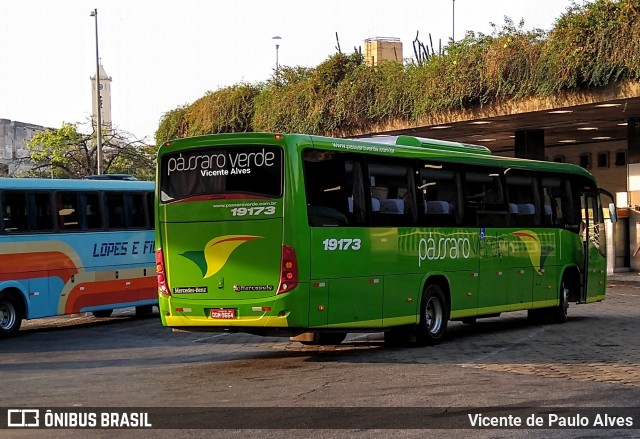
x: 434, y: 316
x: 10, y: 316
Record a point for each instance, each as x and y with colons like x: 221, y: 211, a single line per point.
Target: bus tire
x: 434, y: 316
x: 559, y: 314
x: 102, y: 313
x: 11, y: 315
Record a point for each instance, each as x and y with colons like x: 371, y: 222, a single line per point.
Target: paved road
x: 591, y: 361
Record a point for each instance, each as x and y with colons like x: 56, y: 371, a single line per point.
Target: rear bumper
x: 288, y: 310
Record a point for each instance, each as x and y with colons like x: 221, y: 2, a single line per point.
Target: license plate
x: 223, y: 313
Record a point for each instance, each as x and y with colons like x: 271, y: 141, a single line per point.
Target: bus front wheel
x: 10, y: 316
x: 559, y: 314
x: 434, y: 316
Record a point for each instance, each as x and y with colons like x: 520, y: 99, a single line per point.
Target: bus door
x: 592, y: 231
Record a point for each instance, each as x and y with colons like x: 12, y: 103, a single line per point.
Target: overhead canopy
x: 598, y: 115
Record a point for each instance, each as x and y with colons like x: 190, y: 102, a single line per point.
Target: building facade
x: 14, y: 137
x: 379, y: 49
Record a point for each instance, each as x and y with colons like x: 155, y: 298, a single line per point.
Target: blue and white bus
x: 74, y: 246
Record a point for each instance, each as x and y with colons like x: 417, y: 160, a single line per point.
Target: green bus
x: 315, y: 237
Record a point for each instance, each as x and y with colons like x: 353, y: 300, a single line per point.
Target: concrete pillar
x: 530, y: 144
x: 634, y: 238
x: 633, y: 140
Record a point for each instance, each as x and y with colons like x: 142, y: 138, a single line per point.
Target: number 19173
x: 242, y: 211
x: 341, y: 244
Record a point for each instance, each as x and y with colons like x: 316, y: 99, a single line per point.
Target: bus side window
x: 67, y: 210
x: 392, y: 185
x: 40, y: 212
x: 571, y: 202
x: 486, y: 205
x: 115, y: 211
x: 522, y: 190
x: 150, y: 210
x: 552, y: 204
x: 354, y: 188
x: 14, y: 214
x: 441, y: 190
x: 90, y: 205
x: 561, y: 198
x: 135, y: 211
x: 325, y: 180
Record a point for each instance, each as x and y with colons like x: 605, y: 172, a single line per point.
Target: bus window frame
x: 458, y: 207
x: 57, y: 210
x: 81, y: 199
x: 31, y: 206
x: 3, y: 204
x: 412, y: 216
x: 535, y: 186
x: 496, y: 209
x: 129, y: 202
x: 316, y: 211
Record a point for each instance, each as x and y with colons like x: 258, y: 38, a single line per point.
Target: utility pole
x: 94, y: 14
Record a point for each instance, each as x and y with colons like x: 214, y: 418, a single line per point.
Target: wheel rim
x: 433, y: 315
x: 7, y: 316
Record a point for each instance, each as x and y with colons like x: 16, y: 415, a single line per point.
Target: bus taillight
x: 162, y: 281
x: 288, y: 270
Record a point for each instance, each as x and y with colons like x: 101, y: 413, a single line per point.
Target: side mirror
x: 613, y: 214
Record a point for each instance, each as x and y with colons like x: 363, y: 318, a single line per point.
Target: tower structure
x: 105, y: 100
x: 379, y: 49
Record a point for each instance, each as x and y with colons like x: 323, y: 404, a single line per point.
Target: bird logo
x: 537, y: 254
x: 216, y: 253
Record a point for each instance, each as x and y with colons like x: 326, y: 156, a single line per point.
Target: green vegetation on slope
x: 591, y: 45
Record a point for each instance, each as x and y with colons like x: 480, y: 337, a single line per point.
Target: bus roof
x: 84, y: 184
x: 404, y: 146
x: 440, y: 145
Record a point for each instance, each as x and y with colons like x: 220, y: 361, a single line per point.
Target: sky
x: 162, y: 54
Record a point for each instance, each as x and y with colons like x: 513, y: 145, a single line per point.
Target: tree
x: 67, y: 153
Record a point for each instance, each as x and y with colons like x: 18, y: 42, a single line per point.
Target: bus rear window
x: 251, y: 171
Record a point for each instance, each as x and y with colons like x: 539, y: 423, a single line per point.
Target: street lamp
x: 277, y: 39
x: 94, y: 14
